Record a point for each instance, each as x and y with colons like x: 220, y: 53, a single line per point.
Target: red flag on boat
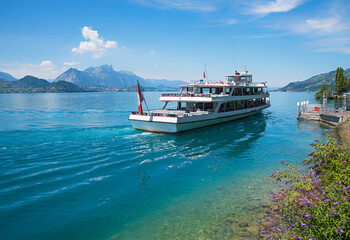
x: 140, y: 98
x: 204, y: 75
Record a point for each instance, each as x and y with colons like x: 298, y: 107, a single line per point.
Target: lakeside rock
x: 343, y: 131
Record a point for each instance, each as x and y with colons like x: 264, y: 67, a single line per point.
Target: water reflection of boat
x: 204, y: 103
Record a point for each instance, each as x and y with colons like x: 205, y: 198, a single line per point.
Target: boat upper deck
x: 236, y: 87
x: 213, y: 84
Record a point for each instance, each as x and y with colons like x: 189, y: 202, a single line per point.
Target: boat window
x: 189, y: 89
x: 228, y: 90
x: 230, y: 79
x: 205, y: 90
x: 222, y: 108
x: 181, y: 106
x: 218, y: 90
x: 172, y: 105
x: 237, y: 78
x: 199, y: 106
x: 243, y: 78
x: 208, y: 106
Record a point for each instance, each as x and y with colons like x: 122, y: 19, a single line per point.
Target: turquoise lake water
x: 72, y: 167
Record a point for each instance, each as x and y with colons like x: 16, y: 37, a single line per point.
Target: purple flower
x: 336, y: 203
x: 326, y: 200
x: 278, y: 229
x: 264, y: 232
x: 345, y: 189
x: 308, y: 215
x: 339, y: 183
x: 303, y: 224
x: 333, y: 213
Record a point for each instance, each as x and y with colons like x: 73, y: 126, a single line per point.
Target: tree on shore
x: 326, y: 89
x: 341, y: 81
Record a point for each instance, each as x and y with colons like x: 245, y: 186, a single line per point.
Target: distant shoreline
x: 85, y: 91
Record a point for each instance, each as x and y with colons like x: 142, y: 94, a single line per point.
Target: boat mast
x: 147, y: 107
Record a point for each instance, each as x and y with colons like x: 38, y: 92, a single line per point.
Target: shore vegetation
x: 324, y: 91
x: 316, y: 203
x: 341, y: 81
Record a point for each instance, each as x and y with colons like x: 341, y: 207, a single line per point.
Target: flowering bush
x: 316, y: 205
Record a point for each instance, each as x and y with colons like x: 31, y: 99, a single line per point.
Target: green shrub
x: 317, y: 202
x: 325, y: 89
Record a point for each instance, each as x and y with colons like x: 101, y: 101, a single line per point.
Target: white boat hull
x: 174, y: 125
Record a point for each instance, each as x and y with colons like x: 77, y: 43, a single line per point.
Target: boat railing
x: 231, y: 83
x: 186, y: 95
x: 155, y: 114
x: 210, y: 94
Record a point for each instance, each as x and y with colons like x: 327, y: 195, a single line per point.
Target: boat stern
x: 154, y: 123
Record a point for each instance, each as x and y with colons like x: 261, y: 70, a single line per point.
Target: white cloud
x: 71, y: 63
x: 152, y: 51
x: 95, y: 43
x: 196, y: 5
x: 312, y: 27
x: 267, y: 7
x: 219, y: 23
x: 45, y: 69
x: 231, y: 21
x: 46, y: 66
x: 325, y: 25
x: 327, y: 34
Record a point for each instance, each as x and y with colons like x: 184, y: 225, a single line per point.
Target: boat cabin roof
x: 240, y: 75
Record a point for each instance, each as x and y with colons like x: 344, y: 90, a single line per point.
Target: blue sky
x: 278, y: 40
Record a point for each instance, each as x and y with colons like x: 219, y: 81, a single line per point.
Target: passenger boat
x: 203, y: 103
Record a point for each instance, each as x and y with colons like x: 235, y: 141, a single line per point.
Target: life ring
x: 317, y: 108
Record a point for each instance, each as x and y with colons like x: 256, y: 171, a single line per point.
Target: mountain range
x: 314, y: 83
x: 6, y: 77
x: 30, y: 84
x: 106, y: 76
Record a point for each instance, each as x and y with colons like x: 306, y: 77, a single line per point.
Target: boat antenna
x: 206, y: 72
